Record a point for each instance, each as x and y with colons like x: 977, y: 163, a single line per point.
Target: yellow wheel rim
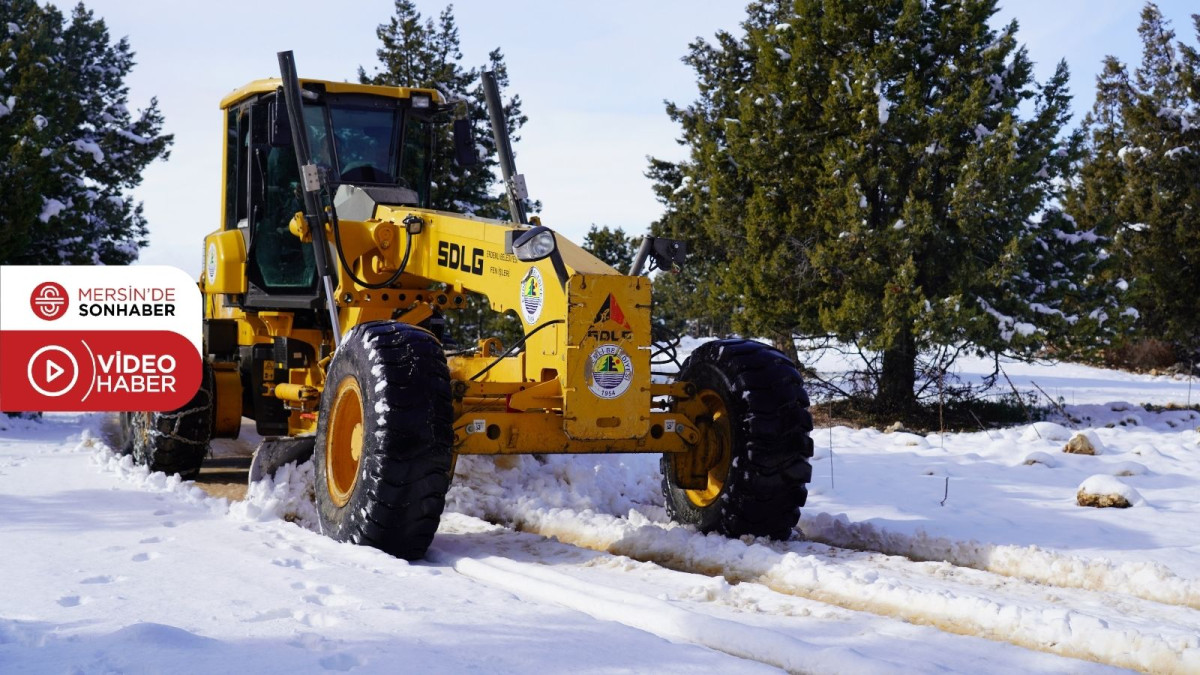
x: 714, y: 451
x: 344, y: 441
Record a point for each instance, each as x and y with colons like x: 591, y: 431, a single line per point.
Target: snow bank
x: 901, y: 551
x: 97, y: 561
x: 1147, y: 580
x: 288, y: 496
x: 879, y: 585
x: 124, y: 467
x: 1040, y: 458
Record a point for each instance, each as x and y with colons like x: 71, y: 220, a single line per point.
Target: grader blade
x: 274, y: 453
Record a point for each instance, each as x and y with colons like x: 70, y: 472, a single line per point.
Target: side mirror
x: 279, y: 129
x: 464, y: 143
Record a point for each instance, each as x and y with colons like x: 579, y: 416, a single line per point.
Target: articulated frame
x: 582, y: 383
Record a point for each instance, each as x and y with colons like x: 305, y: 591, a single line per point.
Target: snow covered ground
x: 920, y: 553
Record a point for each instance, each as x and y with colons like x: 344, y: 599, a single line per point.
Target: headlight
x: 420, y: 101
x: 534, y: 244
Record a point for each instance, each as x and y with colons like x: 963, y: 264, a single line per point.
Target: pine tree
x: 71, y: 152
x: 1138, y: 180
x: 1162, y: 194
x: 612, y: 246
x: 1095, y: 199
x: 866, y: 173
x: 698, y: 298
x: 417, y: 52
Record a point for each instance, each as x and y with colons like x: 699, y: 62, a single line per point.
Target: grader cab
x: 325, y: 288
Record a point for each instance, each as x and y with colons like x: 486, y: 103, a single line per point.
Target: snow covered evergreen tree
x: 417, y: 52
x: 868, y: 174
x: 1095, y: 197
x: 70, y: 150
x: 1139, y: 181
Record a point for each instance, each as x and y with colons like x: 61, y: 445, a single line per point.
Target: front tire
x: 383, y: 447
x: 750, y: 468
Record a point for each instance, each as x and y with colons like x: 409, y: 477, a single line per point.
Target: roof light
x: 534, y: 244
x: 420, y: 100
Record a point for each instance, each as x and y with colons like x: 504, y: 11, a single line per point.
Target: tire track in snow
x: 1146, y: 580
x: 747, y: 621
x: 659, y: 617
x: 1107, y: 628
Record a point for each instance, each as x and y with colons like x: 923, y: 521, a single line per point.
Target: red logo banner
x: 96, y: 371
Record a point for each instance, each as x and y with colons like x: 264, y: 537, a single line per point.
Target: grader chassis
x: 324, y: 291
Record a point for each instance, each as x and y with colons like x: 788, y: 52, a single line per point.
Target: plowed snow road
x: 110, y: 569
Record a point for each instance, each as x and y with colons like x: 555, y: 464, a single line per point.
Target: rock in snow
x: 1082, y: 444
x: 1103, y: 491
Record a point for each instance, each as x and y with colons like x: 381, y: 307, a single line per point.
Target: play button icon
x: 57, y: 368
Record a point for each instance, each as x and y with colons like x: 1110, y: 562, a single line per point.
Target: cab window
x: 366, y: 144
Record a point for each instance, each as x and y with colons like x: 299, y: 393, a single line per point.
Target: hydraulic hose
x: 337, y: 244
x: 514, y: 346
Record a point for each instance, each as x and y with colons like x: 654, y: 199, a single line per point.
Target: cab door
x: 263, y: 198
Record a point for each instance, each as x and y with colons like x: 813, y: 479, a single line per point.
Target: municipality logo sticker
x: 610, y: 371
x: 533, y: 295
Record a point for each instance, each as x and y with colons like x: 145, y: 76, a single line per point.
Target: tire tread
x: 767, y: 401
x: 401, y: 492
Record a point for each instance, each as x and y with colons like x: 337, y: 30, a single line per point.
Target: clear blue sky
x: 592, y: 77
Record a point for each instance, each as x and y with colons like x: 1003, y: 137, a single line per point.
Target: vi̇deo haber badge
x: 96, y: 338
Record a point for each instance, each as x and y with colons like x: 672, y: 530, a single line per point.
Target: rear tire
x: 752, y: 413
x: 176, y: 441
x: 384, y: 439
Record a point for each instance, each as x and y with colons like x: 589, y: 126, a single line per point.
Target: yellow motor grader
x: 325, y: 286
